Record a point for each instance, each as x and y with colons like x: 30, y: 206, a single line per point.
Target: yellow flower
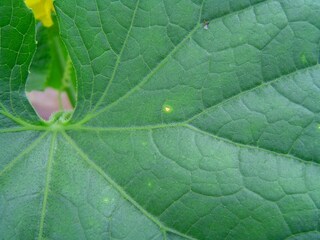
x: 42, y: 10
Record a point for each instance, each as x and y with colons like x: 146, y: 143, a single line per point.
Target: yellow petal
x: 42, y: 10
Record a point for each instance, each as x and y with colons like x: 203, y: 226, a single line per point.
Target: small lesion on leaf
x: 205, y: 24
x: 166, y: 108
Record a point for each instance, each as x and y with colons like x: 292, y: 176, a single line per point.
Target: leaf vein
x: 47, y: 183
x: 162, y: 63
x: 120, y: 190
x: 263, y: 84
x: 240, y: 145
x: 25, y: 151
x: 115, y: 70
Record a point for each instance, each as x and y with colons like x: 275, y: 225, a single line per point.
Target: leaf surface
x: 194, y: 120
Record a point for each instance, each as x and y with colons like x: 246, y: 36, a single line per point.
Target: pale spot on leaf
x: 304, y: 59
x: 167, y: 108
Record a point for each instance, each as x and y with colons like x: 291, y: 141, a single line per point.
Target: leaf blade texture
x: 194, y: 120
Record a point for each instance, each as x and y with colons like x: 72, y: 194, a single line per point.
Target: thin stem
x: 68, y: 86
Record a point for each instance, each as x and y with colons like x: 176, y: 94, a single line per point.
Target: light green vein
x: 120, y: 189
x: 122, y: 129
x: 15, y: 129
x: 104, y: 32
x: 30, y: 30
x: 20, y: 121
x: 164, y: 235
x: 240, y: 145
x: 28, y: 149
x: 264, y: 84
x: 115, y: 70
x: 47, y: 183
x: 193, y: 128
x: 15, y: 64
x: 188, y: 121
x: 201, y: 9
x: 162, y: 63
x: 145, y: 79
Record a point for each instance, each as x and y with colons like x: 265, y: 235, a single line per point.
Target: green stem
x: 65, y: 65
x: 67, y: 82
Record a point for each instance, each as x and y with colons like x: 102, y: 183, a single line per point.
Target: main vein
x: 47, y: 183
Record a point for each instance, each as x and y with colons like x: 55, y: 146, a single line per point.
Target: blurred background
x: 51, y: 84
x: 48, y: 101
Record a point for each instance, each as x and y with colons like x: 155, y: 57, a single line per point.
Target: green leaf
x: 194, y: 120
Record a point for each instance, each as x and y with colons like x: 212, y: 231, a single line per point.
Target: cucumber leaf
x: 195, y: 119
